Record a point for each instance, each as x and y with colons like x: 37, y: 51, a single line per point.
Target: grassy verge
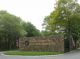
x: 31, y: 53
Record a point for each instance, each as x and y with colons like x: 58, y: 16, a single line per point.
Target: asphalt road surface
x: 70, y: 55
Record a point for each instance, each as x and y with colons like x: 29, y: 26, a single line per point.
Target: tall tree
x: 65, y: 20
x: 10, y: 30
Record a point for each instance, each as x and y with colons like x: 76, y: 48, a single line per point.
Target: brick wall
x: 52, y: 43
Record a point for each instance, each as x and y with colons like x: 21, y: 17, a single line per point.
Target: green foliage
x: 45, y: 33
x: 10, y: 30
x: 65, y: 20
x: 30, y: 30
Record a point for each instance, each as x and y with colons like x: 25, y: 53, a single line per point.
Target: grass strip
x: 31, y: 53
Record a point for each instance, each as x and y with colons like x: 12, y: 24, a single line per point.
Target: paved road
x: 70, y: 55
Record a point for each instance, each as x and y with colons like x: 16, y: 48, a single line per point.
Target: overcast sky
x: 33, y: 11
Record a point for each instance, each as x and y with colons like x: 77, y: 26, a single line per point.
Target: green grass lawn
x: 31, y: 53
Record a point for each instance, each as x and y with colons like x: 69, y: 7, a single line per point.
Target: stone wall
x: 53, y: 43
